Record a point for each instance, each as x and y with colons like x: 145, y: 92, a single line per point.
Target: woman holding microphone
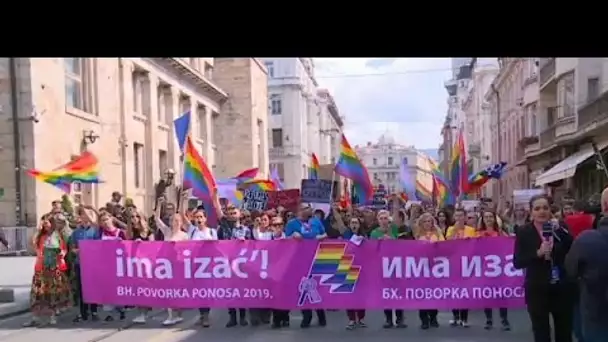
x: 540, y: 249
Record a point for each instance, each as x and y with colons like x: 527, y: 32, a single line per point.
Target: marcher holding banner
x: 307, y: 227
x: 427, y: 230
x: 460, y: 230
x: 489, y: 228
x: 540, y: 249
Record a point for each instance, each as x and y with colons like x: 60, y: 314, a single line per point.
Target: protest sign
x: 316, y: 190
x: 288, y: 274
x: 255, y: 200
x: 379, y: 198
x: 288, y: 199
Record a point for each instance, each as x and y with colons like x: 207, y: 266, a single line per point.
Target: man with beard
x: 587, y: 262
x: 307, y: 227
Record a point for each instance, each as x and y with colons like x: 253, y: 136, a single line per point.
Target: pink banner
x: 288, y: 274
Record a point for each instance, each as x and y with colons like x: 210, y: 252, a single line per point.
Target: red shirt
x: 579, y: 222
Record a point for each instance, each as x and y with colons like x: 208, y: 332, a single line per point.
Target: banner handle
x: 331, y: 191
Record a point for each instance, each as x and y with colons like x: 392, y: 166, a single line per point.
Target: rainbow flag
x: 313, y: 170
x: 197, y: 175
x: 247, y: 175
x: 83, y: 169
x: 479, y: 179
x: 423, y: 193
x: 335, y: 267
x: 260, y: 185
x: 441, y: 187
x: 351, y: 167
x: 458, y: 167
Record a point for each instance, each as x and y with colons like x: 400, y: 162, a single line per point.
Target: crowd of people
x: 562, y: 270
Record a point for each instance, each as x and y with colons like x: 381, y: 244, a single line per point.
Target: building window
x: 404, y: 160
x: 374, y: 162
x: 138, y: 150
x: 277, y: 137
x: 390, y: 160
x: 270, y: 68
x: 565, y: 96
x: 375, y: 176
x: 275, y: 105
x: 136, y: 85
x: 80, y: 84
x: 593, y: 88
x: 201, y: 116
x: 163, y: 162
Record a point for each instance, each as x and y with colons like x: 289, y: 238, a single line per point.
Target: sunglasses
x: 277, y: 224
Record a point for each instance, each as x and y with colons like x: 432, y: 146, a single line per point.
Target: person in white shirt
x: 201, y: 232
x: 174, y: 233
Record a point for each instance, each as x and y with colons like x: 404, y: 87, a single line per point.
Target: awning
x: 567, y: 167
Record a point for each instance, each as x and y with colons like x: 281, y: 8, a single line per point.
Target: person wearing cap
x: 306, y: 226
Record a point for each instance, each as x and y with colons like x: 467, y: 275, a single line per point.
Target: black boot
x: 232, y: 318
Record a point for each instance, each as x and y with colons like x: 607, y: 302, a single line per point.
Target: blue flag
x: 182, y: 127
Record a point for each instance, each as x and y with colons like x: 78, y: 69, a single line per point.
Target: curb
x: 14, y: 313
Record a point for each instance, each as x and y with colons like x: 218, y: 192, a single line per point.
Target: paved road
x: 189, y: 331
x: 16, y: 274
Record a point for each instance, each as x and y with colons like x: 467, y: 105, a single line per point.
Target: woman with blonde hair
x: 139, y: 230
x: 427, y: 229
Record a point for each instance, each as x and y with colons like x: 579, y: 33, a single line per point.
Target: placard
x: 255, y: 200
x: 379, y: 198
x: 316, y: 191
x: 288, y: 199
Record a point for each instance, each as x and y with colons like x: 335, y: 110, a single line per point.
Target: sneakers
x: 170, y: 321
x: 351, y: 325
x: 140, y: 319
x: 489, y: 325
x: 361, y: 324
x: 506, y: 326
x: 53, y: 320
x: 454, y: 322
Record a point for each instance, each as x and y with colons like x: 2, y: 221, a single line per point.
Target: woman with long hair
x: 444, y: 220
x: 139, y: 230
x: 109, y: 231
x: 426, y: 229
x: 51, y: 290
x: 540, y: 249
x: 489, y: 228
x: 520, y: 219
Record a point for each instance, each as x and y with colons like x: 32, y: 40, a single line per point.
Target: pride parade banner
x: 289, y: 274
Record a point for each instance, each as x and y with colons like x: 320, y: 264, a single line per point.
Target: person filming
x: 540, y: 249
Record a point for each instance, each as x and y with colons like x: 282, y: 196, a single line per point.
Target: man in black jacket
x: 587, y: 261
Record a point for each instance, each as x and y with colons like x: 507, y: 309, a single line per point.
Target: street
x: 189, y: 331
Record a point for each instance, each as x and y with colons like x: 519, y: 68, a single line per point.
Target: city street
x: 190, y: 331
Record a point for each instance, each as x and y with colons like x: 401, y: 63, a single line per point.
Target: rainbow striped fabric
x: 197, y: 175
x: 260, y: 185
x: 313, y: 170
x: 423, y: 193
x: 83, y: 169
x: 458, y: 167
x: 335, y: 267
x: 441, y: 187
x: 350, y: 166
x: 247, y: 175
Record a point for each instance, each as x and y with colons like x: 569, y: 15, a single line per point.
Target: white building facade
x: 304, y: 119
x: 383, y: 159
x: 478, y: 130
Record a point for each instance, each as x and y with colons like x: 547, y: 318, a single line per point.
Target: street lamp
x: 160, y: 189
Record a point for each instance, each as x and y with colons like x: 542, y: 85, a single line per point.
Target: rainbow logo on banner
x: 335, y: 267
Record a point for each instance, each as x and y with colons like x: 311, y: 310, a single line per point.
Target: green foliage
x: 68, y: 209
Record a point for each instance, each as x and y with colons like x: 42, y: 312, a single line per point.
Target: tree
x: 68, y: 209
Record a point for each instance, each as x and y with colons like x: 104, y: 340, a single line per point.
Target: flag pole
x: 331, y: 192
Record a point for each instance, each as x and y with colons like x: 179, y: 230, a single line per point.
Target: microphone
x: 547, y: 232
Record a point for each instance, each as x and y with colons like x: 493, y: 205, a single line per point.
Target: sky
x: 408, y: 99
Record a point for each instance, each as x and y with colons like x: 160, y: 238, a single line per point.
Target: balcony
x: 593, y: 113
x: 529, y: 144
x: 276, y: 152
x: 547, y: 71
x: 547, y: 138
x: 565, y: 125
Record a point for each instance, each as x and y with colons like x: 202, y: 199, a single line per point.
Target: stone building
x: 121, y: 109
x: 241, y: 128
